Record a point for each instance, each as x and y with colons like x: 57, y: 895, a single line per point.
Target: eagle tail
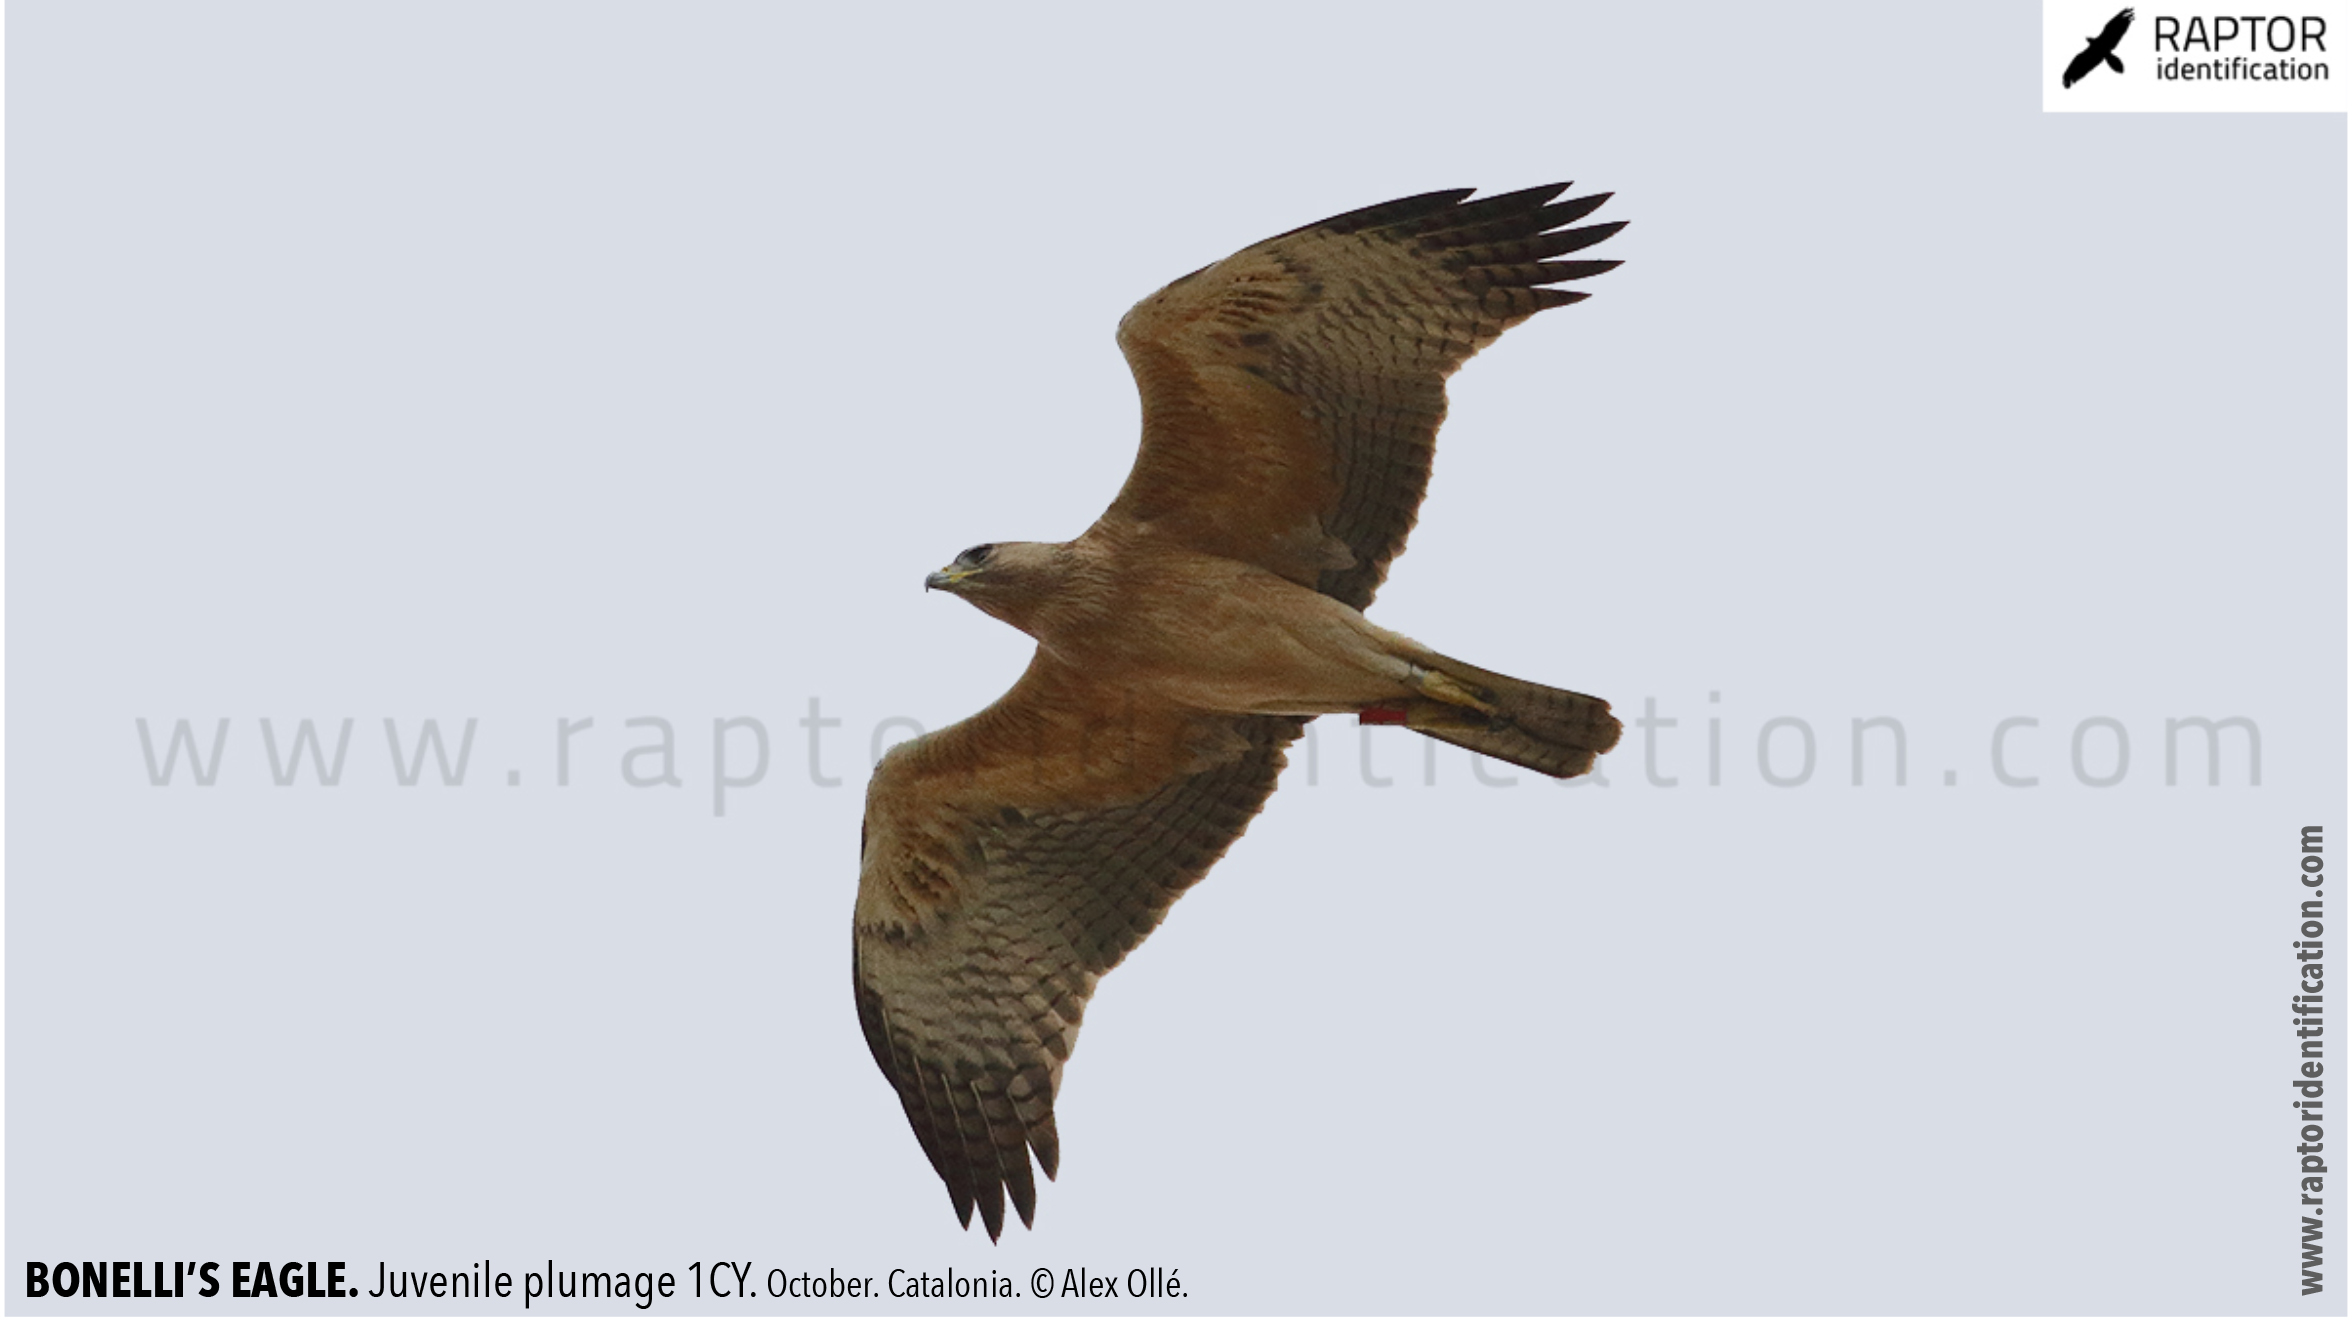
x: 1555, y: 732
x: 2115, y: 63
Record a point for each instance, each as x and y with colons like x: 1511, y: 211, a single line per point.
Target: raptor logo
x: 2099, y: 50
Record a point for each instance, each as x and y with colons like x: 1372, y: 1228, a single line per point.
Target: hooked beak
x: 946, y: 578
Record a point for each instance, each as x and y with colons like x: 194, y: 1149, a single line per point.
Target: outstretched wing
x: 1008, y: 862
x: 2111, y: 36
x: 1292, y: 392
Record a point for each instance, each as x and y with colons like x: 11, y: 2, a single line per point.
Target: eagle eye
x: 976, y: 555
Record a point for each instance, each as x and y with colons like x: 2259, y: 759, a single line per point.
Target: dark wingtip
x: 1527, y: 198
x: 1586, y: 236
x: 1396, y: 211
x: 1574, y: 209
x: 1584, y: 270
x: 992, y: 1212
x: 1021, y: 1184
x: 1045, y: 1141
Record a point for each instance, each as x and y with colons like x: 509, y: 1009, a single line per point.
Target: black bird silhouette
x: 2100, y: 50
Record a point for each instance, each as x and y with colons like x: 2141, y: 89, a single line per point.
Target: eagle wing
x: 2111, y: 36
x: 1292, y: 392
x: 1007, y: 863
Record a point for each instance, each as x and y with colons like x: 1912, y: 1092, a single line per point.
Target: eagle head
x: 1008, y: 580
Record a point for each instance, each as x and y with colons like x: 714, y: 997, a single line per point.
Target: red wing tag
x: 1381, y: 717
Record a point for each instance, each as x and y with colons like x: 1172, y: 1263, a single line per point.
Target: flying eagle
x: 1291, y: 399
x: 2100, y: 50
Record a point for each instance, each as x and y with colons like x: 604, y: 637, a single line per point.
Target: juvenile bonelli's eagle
x: 1291, y: 397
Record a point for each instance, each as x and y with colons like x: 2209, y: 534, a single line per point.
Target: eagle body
x: 1189, y: 630
x: 1291, y: 399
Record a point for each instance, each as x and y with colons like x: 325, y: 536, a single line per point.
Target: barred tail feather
x: 1555, y: 732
